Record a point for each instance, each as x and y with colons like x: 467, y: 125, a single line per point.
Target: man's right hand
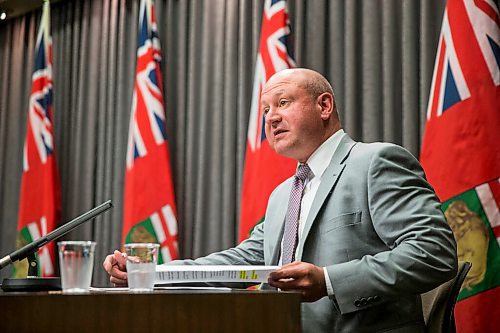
x: 115, y: 266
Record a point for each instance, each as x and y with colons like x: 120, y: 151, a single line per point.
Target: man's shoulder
x: 376, y: 155
x: 365, y: 149
x: 380, y: 156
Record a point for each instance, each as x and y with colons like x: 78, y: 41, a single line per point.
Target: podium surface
x: 158, y: 311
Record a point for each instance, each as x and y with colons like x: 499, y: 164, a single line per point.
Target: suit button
x: 370, y: 300
x: 376, y: 298
x: 357, y: 303
x: 364, y: 301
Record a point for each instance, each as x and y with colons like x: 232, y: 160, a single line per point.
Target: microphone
x: 33, y: 283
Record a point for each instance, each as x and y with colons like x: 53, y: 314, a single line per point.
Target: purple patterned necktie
x: 291, y: 234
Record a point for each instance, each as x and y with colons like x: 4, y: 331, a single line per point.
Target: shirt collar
x: 321, y: 157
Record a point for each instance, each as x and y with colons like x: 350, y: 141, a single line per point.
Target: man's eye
x: 283, y: 102
x: 265, y: 112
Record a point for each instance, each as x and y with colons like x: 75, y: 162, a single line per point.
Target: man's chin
x: 282, y: 149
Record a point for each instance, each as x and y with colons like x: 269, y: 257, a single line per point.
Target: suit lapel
x: 277, y: 227
x: 328, y: 181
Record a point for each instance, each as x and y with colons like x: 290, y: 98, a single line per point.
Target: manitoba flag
x: 149, y: 207
x: 461, y: 151
x: 39, y: 206
x: 264, y: 169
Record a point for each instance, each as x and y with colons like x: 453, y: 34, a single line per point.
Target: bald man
x: 363, y: 237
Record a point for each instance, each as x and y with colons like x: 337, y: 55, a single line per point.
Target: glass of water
x: 141, y: 265
x: 76, y: 261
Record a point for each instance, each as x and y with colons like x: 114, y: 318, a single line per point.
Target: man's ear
x: 327, y: 105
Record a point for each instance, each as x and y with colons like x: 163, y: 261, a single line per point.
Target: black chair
x: 438, y: 304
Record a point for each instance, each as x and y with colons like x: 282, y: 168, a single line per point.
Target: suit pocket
x: 340, y: 221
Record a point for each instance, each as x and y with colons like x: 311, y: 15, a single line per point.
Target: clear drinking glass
x: 76, y: 262
x: 141, y: 265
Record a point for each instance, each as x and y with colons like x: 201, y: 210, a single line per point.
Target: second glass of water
x: 141, y: 265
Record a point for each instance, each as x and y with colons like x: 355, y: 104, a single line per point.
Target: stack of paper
x: 198, y: 273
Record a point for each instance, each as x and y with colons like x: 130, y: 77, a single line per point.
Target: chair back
x: 438, y: 304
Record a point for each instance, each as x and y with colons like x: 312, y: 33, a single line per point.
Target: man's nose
x: 272, y: 116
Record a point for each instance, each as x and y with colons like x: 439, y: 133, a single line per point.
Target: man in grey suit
x: 368, y: 237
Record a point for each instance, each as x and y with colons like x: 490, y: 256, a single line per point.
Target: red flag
x: 149, y: 212
x: 39, y: 206
x: 264, y: 169
x: 461, y: 151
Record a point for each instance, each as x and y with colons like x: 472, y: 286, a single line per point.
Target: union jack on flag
x: 39, y: 205
x: 461, y: 151
x: 264, y: 169
x: 149, y: 208
x: 452, y: 78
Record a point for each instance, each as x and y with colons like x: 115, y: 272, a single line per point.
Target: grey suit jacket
x: 377, y: 227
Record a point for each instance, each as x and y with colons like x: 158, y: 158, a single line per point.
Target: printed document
x: 212, y: 273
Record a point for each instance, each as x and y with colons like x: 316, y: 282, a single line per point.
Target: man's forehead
x: 278, y: 87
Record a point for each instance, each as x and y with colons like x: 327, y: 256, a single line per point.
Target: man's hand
x: 303, y: 277
x: 115, y: 265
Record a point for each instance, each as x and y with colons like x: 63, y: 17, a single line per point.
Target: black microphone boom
x: 33, y: 247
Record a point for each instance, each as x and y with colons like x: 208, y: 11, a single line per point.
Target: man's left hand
x: 303, y: 277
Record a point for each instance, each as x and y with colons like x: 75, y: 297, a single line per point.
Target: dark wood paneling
x: 161, y: 311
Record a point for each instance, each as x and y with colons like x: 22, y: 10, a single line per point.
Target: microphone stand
x: 32, y: 282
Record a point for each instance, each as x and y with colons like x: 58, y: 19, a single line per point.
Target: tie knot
x: 303, y: 171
